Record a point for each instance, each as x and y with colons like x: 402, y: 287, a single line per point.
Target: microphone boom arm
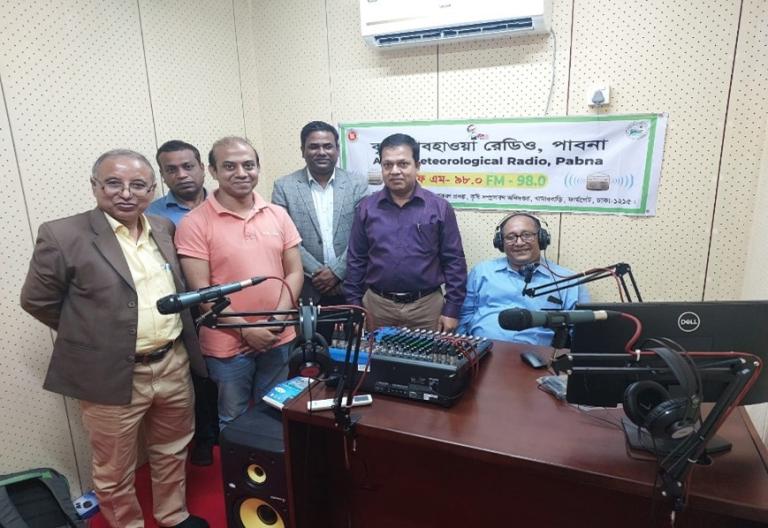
x: 306, y: 318
x: 618, y: 270
x: 674, y: 468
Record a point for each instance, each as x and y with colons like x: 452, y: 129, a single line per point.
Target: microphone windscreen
x: 515, y: 319
x: 528, y: 271
x: 169, y: 304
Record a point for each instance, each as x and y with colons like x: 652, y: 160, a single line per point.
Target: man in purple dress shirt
x: 405, y: 244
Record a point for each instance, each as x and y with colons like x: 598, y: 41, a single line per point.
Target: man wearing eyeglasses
x: 94, y: 278
x: 497, y: 284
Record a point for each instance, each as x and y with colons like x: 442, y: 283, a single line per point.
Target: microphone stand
x: 676, y: 464
x: 618, y: 270
x: 305, y: 319
x: 353, y: 332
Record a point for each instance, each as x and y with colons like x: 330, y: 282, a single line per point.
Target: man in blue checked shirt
x: 184, y: 173
x: 497, y: 284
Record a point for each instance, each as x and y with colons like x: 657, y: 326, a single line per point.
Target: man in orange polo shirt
x: 234, y: 235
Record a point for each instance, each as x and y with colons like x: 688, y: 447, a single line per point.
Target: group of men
x: 95, y: 278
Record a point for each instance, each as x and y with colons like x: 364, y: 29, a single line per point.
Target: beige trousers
x: 163, y: 400
x: 423, y: 313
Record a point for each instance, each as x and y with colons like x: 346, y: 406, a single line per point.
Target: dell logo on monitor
x: 688, y: 322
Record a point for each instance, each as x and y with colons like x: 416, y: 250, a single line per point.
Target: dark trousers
x: 206, y: 410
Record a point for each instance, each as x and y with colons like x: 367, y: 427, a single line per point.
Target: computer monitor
x: 717, y: 326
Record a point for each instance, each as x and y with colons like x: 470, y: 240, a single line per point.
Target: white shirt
x: 323, y: 200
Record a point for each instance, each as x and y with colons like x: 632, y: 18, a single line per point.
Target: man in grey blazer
x: 94, y: 278
x: 321, y: 200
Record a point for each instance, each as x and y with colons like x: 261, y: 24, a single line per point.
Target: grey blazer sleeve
x: 308, y: 262
x: 359, y: 191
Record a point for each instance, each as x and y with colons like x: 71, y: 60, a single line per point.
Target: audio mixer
x: 419, y: 365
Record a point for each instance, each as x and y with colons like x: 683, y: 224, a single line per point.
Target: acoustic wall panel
x: 376, y: 85
x: 293, y: 80
x: 666, y: 56
x: 248, y: 57
x: 193, y: 70
x: 505, y: 77
x: 754, y: 284
x: 745, y: 131
x: 35, y: 431
x: 75, y: 86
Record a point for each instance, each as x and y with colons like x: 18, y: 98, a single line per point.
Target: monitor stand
x: 639, y: 439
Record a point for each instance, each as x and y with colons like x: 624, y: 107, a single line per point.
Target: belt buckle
x: 155, y: 355
x: 143, y: 359
x: 403, y: 298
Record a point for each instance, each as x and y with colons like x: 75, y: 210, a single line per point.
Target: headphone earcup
x: 669, y: 419
x: 498, y: 241
x: 310, y: 359
x: 544, y: 239
x: 642, y: 397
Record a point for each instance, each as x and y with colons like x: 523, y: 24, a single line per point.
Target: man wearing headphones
x: 497, y: 284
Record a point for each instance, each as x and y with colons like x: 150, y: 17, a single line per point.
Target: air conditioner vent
x: 495, y: 28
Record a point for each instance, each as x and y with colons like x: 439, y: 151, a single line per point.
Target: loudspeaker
x: 253, y: 470
x: 544, y: 238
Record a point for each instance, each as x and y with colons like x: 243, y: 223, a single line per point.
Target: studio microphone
x: 520, y: 318
x: 527, y: 273
x: 179, y: 301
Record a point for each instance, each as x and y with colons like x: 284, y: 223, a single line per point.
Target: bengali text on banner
x: 579, y: 164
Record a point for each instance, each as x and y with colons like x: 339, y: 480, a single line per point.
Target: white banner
x: 579, y: 164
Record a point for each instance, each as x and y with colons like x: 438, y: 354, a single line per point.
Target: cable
x: 554, y: 57
x: 615, y: 276
x: 638, y: 330
x: 545, y: 262
x: 585, y: 412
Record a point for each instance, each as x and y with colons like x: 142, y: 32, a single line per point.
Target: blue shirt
x: 493, y: 286
x: 169, y: 207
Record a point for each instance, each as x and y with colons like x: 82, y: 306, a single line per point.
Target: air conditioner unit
x: 386, y: 23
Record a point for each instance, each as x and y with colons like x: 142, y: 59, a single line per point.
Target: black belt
x: 155, y: 355
x: 405, y: 297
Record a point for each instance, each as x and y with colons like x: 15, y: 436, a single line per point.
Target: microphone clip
x: 561, y: 364
x: 210, y: 317
x: 561, y: 337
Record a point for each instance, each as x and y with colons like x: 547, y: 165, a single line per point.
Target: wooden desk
x: 507, y: 454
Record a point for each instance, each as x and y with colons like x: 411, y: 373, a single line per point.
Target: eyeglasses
x: 401, y: 164
x: 526, y: 237
x: 137, y: 188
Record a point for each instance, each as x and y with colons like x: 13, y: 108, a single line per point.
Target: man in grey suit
x: 321, y: 200
x: 94, y: 278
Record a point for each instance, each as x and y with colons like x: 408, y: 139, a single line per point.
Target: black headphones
x: 498, y: 236
x: 649, y: 405
x: 310, y: 357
